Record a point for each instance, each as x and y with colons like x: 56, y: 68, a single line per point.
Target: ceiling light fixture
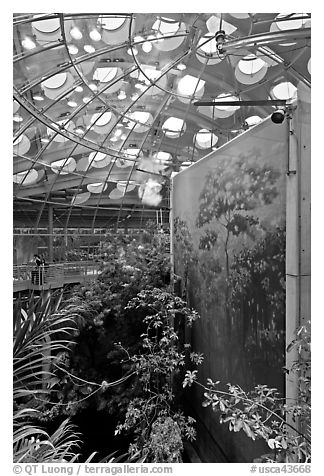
x: 72, y: 103
x: 17, y: 118
x: 89, y: 48
x: 38, y: 97
x: 79, y: 130
x: 93, y: 86
x: 134, y: 50
x: 73, y: 50
x: 95, y: 35
x: 86, y: 99
x: 134, y: 96
x: 181, y: 67
x: 121, y: 95
x: 28, y: 43
x: 147, y: 46
x: 76, y: 33
x: 79, y: 89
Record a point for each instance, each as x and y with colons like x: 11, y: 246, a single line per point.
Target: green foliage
x: 263, y: 413
x: 42, y: 335
x: 40, y: 332
x: 130, y: 265
x: 127, y: 358
x: 158, y: 425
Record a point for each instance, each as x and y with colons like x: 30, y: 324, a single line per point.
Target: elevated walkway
x: 53, y: 275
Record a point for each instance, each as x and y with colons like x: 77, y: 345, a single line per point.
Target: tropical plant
x: 40, y: 332
x: 103, y: 320
x: 153, y: 417
x: 262, y: 413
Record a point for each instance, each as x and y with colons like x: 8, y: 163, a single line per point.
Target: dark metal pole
x: 50, y: 234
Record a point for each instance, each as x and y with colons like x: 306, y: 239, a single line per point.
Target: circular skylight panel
x: 46, y: 26
x: 240, y: 16
x: 216, y: 23
x: 206, y: 139
x: 221, y: 111
x: 55, y: 81
x: 116, y: 194
x: 126, y: 186
x: 250, y: 69
x: 141, y: 117
x: 250, y: 64
x: 173, y: 127
x: 166, y: 26
x: 101, y: 119
x: 253, y: 120
x: 57, y: 84
x: 207, y: 44
x: 21, y: 145
x: 80, y: 198
x: 292, y: 23
x: 97, y: 187
x: 111, y: 23
x: 83, y: 164
x: 225, y: 97
x: 63, y: 166
x: 189, y: 85
x: 27, y: 177
x: 98, y: 160
x: 97, y: 156
x: 207, y: 51
x: 16, y: 106
x: 284, y: 90
x: 104, y: 75
x: 19, y: 139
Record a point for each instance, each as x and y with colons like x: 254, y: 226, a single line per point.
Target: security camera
x: 278, y: 116
x: 220, y: 39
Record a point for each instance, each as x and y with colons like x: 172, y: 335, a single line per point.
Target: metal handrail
x: 52, y: 272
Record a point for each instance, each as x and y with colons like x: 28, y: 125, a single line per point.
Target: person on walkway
x: 37, y: 260
x: 38, y: 273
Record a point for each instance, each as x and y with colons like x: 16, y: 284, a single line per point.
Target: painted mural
x: 229, y: 250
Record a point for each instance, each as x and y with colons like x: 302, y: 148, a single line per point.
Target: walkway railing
x: 53, y: 274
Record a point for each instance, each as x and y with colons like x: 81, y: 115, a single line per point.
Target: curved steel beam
x: 268, y: 38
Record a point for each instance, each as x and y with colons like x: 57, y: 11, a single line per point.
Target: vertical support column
x: 50, y: 234
x: 298, y: 244
x: 171, y: 234
x: 66, y: 242
x: 304, y: 113
x: 292, y: 251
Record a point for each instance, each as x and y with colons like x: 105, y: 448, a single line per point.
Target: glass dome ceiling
x: 104, y: 111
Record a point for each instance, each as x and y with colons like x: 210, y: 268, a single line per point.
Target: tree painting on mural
x: 232, y: 190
